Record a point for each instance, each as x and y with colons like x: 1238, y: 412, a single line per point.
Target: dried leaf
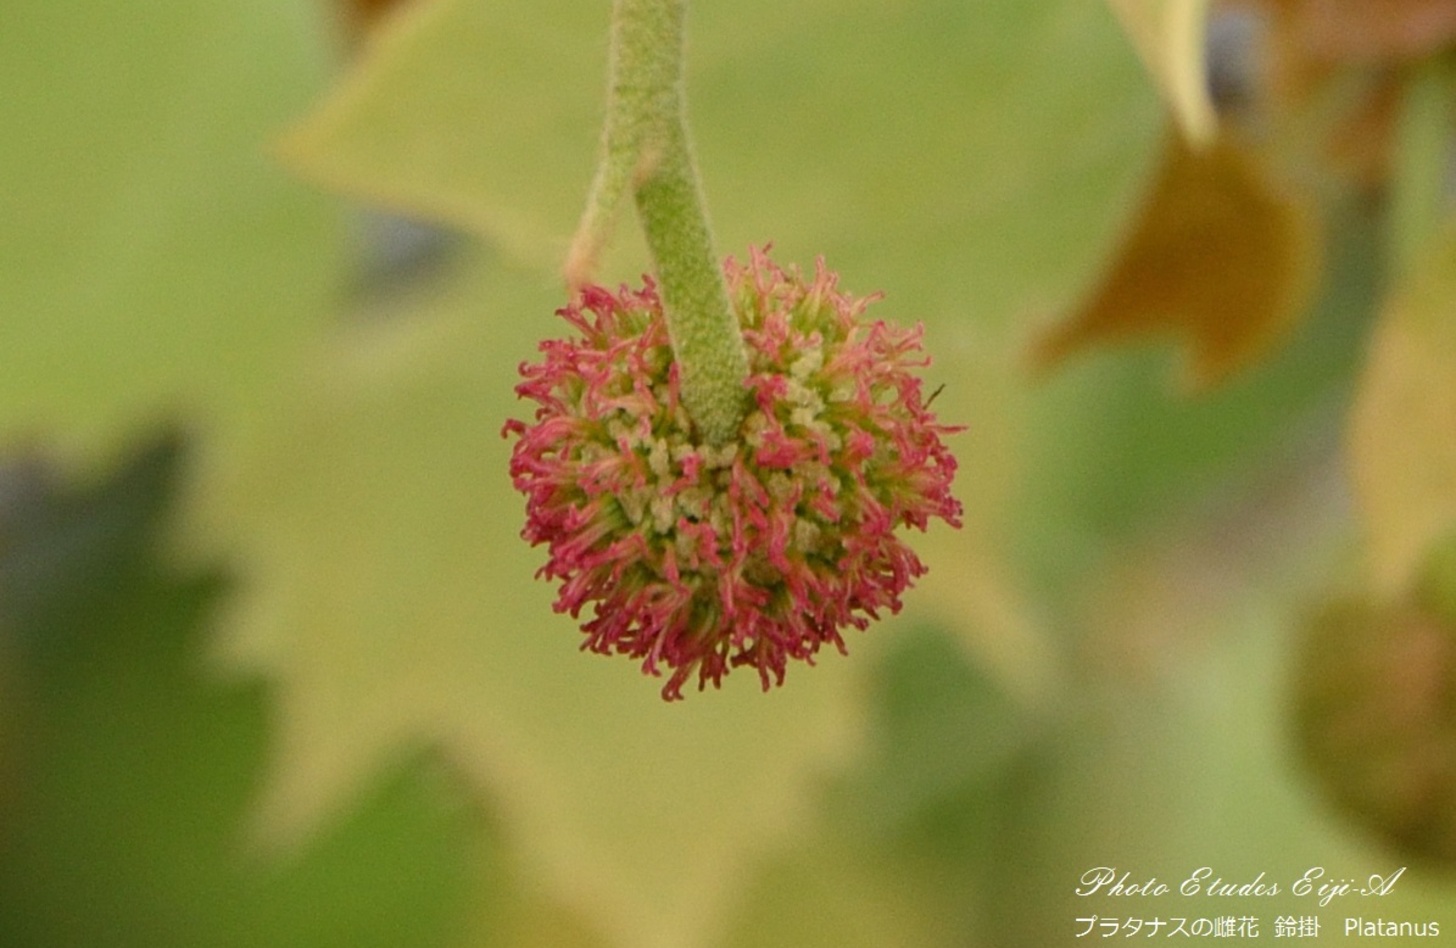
x: 1221, y: 256
x: 1366, y: 30
x: 1328, y: 75
x: 1403, y: 424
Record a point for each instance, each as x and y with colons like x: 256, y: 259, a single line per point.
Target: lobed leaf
x: 1222, y: 257
x: 392, y: 600
x: 974, y: 160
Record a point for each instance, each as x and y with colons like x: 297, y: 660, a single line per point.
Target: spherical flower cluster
x: 703, y: 557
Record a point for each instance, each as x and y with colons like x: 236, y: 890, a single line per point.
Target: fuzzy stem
x: 646, y: 145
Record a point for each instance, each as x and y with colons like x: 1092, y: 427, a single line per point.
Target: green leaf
x: 152, y: 260
x: 1419, y: 202
x: 392, y: 600
x: 130, y: 770
x: 901, y: 839
x: 822, y: 891
x: 939, y: 727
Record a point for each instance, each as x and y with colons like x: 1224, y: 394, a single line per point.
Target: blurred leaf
x: 1169, y: 35
x: 822, y: 892
x: 1421, y: 180
x: 886, y: 144
x: 1435, y: 588
x: 152, y: 261
x: 1172, y: 750
x: 364, y: 15
x: 1402, y: 451
x: 391, y: 600
x: 1373, y: 721
x: 437, y: 119
x: 900, y: 844
x: 973, y: 159
x: 1365, y: 30
x: 1159, y: 776
x: 1112, y: 456
x: 132, y: 770
x: 973, y: 592
x: 939, y: 725
x: 1222, y: 256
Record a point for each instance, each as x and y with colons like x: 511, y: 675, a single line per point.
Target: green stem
x: 646, y: 146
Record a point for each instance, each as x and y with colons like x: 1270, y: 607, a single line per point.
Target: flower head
x: 703, y: 557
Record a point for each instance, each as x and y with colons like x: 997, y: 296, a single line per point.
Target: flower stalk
x: 646, y: 148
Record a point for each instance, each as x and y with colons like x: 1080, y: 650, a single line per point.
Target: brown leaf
x: 1328, y: 110
x: 361, y: 16
x: 1370, y: 30
x: 1221, y: 256
x: 1403, y: 425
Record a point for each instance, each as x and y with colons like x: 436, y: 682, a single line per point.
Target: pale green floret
x: 753, y: 428
x: 780, y: 486
x: 815, y: 472
x: 720, y: 518
x: 807, y: 416
x: 806, y: 534
x: 807, y: 404
x: 696, y: 503
x: 622, y: 433
x: 658, y: 460
x: 807, y: 364
x: 719, y: 457
x: 634, y: 503
x: 664, y: 513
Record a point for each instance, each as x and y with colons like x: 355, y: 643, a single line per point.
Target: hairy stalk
x: 646, y: 148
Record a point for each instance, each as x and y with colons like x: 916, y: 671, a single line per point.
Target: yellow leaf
x: 945, y: 152
x: 1422, y: 163
x: 393, y: 601
x: 1221, y: 256
x: 822, y: 891
x: 1403, y: 424
x: 440, y: 118
x: 1169, y: 36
